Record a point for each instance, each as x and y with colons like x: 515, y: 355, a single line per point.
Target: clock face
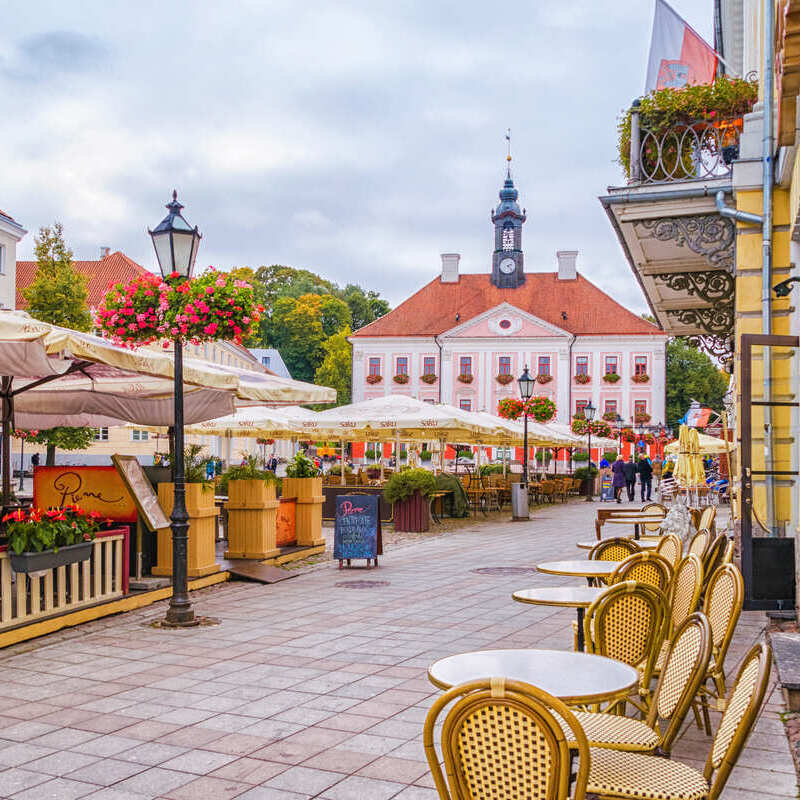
x: 507, y: 266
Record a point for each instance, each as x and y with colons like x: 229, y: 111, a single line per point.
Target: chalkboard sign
x: 357, y: 529
x: 606, y: 488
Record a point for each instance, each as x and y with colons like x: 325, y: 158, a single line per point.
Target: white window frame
x: 101, y: 434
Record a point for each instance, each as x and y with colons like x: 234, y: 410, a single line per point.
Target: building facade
x: 10, y: 233
x: 463, y: 339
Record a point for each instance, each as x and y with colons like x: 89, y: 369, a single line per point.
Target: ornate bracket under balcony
x: 708, y: 235
x: 712, y: 287
x: 716, y: 321
x: 719, y: 347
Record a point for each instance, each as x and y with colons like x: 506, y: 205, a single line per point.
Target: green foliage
x: 464, y: 452
x: 584, y: 472
x: 610, y: 455
x: 194, y: 464
x: 404, y: 483
x: 492, y: 469
x: 370, y: 455
x: 63, y: 438
x: 34, y: 530
x: 336, y: 367
x: 580, y: 456
x: 249, y: 471
x: 336, y: 469
x: 301, y: 467
x: 425, y: 455
x: 59, y: 293
x: 691, y: 375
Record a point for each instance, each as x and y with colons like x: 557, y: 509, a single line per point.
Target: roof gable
x: 502, y: 321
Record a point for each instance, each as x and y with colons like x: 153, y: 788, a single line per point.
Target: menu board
x: 98, y: 489
x: 131, y: 472
x: 357, y: 528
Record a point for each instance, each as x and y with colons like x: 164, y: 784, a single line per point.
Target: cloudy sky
x: 357, y: 139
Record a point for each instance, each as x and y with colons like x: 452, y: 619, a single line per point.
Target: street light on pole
x: 526, y: 383
x: 176, y: 243
x: 588, y: 413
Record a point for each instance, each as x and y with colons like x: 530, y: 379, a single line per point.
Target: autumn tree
x: 59, y: 293
x: 336, y: 367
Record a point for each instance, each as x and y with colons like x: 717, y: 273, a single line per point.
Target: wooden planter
x: 252, y: 510
x: 50, y: 559
x: 412, y: 514
x: 201, y: 555
x: 308, y: 524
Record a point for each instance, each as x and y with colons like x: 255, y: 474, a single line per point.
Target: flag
x: 678, y: 55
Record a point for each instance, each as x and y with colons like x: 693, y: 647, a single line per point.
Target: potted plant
x: 400, y: 378
x: 611, y: 377
x: 504, y: 378
x: 372, y: 379
x: 641, y: 377
x: 408, y: 491
x: 465, y: 377
x: 428, y: 377
x: 425, y: 455
x: 587, y: 476
x: 201, y: 547
x: 252, y: 510
x: 369, y: 455
x: 582, y: 378
x: 41, y: 540
x: 303, y: 483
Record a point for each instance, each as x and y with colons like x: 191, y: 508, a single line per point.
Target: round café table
x: 644, y: 544
x: 579, y: 597
x: 575, y: 678
x: 579, y: 568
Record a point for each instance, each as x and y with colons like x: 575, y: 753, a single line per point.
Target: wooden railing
x: 26, y: 598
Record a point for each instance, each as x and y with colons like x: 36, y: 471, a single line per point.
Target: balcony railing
x: 685, y: 152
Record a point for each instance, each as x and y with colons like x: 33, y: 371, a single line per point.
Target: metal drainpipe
x: 441, y: 371
x: 766, y: 251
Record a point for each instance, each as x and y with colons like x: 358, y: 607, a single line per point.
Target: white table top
x: 644, y: 544
x: 580, y: 568
x: 636, y: 519
x: 570, y: 596
x: 573, y: 677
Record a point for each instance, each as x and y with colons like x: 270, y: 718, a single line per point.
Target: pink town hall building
x: 463, y: 339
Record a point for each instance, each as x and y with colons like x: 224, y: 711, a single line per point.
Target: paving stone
x: 56, y: 789
x: 208, y: 788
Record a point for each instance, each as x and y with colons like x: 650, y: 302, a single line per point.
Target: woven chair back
x: 654, y: 509
x: 707, y: 518
x: 723, y: 605
x: 715, y: 555
x: 739, y: 718
x: 616, y: 549
x: 501, y: 740
x: 671, y: 548
x: 700, y: 543
x: 684, y: 595
x: 644, y: 567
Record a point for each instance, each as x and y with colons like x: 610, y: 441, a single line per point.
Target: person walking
x: 629, y: 469
x: 618, y: 480
x: 645, y: 470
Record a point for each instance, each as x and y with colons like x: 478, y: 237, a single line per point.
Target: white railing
x: 27, y: 598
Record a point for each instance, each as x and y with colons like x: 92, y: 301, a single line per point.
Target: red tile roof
x: 109, y: 269
x: 432, y: 310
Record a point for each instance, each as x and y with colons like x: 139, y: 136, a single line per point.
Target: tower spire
x: 508, y: 153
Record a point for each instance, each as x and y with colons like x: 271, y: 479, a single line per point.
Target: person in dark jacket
x: 629, y: 468
x: 618, y: 481
x: 645, y: 470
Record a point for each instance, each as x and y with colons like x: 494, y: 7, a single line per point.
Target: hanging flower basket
x: 611, y: 377
x: 648, y: 438
x: 213, y: 306
x: 542, y: 409
x: 642, y: 418
x: 628, y: 435
x: 544, y: 378
x: 510, y: 408
x: 610, y: 416
x: 465, y: 378
x: 579, y: 425
x: 374, y: 378
x: 428, y: 378
x: 400, y: 378
x: 504, y: 379
x: 601, y: 428
x: 641, y: 378
x: 583, y: 378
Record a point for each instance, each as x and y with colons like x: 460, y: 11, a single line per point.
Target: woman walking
x: 618, y: 483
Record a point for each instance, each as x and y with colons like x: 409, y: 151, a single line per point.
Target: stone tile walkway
x: 307, y: 688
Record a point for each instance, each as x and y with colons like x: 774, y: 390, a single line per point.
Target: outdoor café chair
x: 617, y: 774
x: 686, y: 664
x: 616, y: 549
x: 502, y: 740
x: 707, y: 518
x: 644, y: 567
x: 700, y: 543
x: 652, y: 528
x: 626, y: 622
x: 715, y: 555
x: 683, y: 597
x: 722, y: 605
x: 671, y: 548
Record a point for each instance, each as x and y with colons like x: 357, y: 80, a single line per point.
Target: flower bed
x: 428, y: 378
x: 401, y: 378
x: 465, y: 378
x: 641, y: 378
x: 583, y: 378
x: 504, y: 379
x: 372, y: 379
x: 611, y: 377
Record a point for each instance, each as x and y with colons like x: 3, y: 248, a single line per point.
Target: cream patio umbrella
x: 707, y: 445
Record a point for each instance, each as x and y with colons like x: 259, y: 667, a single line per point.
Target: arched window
x: 508, y: 238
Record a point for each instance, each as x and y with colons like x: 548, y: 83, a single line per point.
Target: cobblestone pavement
x: 307, y: 688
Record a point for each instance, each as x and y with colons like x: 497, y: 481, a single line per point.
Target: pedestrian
x: 210, y: 470
x: 629, y: 468
x: 35, y: 460
x: 645, y: 470
x: 618, y: 481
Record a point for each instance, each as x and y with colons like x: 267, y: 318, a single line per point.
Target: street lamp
x: 176, y: 243
x: 526, y: 383
x: 588, y: 413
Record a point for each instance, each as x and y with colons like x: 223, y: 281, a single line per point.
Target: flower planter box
x: 50, y: 559
x: 308, y: 515
x: 201, y: 554
x: 412, y: 514
x: 252, y: 518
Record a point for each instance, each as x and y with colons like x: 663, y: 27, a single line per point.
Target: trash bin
x: 519, y: 501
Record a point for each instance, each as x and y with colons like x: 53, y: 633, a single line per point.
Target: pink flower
x: 220, y: 281
x: 210, y: 329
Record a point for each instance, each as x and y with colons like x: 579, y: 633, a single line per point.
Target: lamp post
x: 588, y: 413
x: 176, y: 243
x: 526, y: 383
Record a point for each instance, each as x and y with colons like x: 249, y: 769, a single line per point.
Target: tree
x: 58, y: 294
x: 336, y: 367
x: 365, y: 307
x: 62, y: 438
x: 691, y: 375
x: 299, y: 335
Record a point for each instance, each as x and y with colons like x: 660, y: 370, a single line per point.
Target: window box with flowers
x: 372, y: 379
x: 504, y: 378
x: 642, y: 377
x: 428, y: 378
x: 610, y: 416
x: 583, y: 378
x: 642, y: 418
x: 611, y: 377
x: 466, y: 377
x: 401, y: 378
x: 543, y: 378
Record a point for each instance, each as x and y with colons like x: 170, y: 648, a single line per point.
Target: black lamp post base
x: 194, y: 622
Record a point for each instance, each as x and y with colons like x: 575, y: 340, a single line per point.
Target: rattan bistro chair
x: 627, y: 623
x: 502, y: 740
x: 616, y: 549
x: 616, y: 774
x: 685, y: 667
x: 700, y: 543
x: 715, y: 555
x: 645, y: 567
x: 671, y: 548
x: 707, y: 519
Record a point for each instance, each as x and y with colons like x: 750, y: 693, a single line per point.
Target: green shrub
x: 248, y: 471
x: 585, y: 472
x: 194, y: 464
x: 580, y: 457
x: 491, y: 469
x: 610, y: 455
x: 301, y: 467
x: 404, y: 483
x: 370, y: 455
x: 336, y: 469
x: 425, y: 455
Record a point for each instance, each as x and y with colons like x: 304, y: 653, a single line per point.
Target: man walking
x: 645, y: 470
x: 630, y: 477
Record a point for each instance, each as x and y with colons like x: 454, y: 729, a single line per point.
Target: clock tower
x: 507, y: 259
